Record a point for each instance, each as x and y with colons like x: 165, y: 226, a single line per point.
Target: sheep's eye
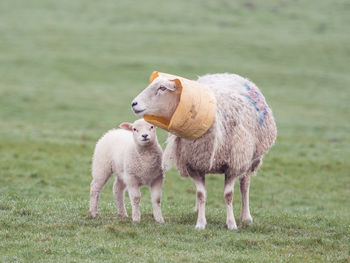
x: 152, y: 127
x: 134, y: 129
x: 162, y: 88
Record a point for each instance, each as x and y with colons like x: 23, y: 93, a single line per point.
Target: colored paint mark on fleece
x: 258, y: 101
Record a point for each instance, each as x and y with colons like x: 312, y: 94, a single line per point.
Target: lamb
x: 243, y: 131
x: 134, y: 156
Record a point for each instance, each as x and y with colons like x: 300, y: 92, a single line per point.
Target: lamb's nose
x: 134, y: 103
x: 145, y: 136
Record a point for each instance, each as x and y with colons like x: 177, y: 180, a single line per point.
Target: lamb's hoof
x: 136, y: 219
x: 123, y: 214
x: 93, y: 214
x: 160, y: 220
x: 232, y: 226
x: 247, y: 221
x: 200, y: 225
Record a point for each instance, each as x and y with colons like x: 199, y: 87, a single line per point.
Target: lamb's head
x: 160, y: 98
x: 143, y: 132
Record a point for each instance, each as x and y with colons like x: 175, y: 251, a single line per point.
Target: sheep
x: 243, y: 131
x: 134, y: 156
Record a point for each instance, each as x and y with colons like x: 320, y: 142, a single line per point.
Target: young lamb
x: 243, y: 131
x: 135, y: 157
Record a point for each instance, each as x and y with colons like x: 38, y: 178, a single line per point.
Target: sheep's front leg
x: 135, y: 198
x: 228, y: 196
x: 156, y: 195
x: 199, y: 181
x: 244, y: 187
x: 118, y: 192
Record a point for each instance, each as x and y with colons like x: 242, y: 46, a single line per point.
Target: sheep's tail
x: 169, y: 155
x: 217, y: 141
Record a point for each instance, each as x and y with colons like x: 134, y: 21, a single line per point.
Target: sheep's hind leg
x: 196, y: 205
x: 156, y: 195
x: 199, y: 180
x: 228, y: 196
x: 118, y: 192
x: 244, y: 187
x: 135, y: 198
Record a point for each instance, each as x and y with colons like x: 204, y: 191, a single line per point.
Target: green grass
x: 68, y: 72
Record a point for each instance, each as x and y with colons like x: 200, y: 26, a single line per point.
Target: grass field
x: 68, y: 72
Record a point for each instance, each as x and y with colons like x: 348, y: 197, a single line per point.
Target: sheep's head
x: 160, y: 98
x: 143, y: 132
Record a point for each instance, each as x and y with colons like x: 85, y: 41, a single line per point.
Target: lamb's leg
x: 135, y: 198
x: 228, y: 196
x: 100, y: 176
x: 118, y: 192
x: 199, y: 181
x: 156, y: 195
x: 244, y: 186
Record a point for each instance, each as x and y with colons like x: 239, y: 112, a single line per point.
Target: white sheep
x: 134, y: 156
x: 242, y: 132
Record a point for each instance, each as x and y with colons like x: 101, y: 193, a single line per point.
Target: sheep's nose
x: 133, y: 104
x: 145, y: 136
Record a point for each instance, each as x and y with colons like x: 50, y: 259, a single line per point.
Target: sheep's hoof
x: 200, y: 225
x: 247, y: 221
x: 231, y: 224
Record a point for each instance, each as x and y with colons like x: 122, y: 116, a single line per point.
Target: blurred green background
x: 68, y: 73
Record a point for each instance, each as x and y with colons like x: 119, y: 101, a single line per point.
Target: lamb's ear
x: 126, y: 126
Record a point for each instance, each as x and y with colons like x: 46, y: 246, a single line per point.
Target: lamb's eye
x: 134, y: 129
x: 162, y: 88
x: 152, y: 127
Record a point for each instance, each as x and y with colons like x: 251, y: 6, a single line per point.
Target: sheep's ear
x: 126, y: 126
x: 172, y: 85
x: 177, y: 85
